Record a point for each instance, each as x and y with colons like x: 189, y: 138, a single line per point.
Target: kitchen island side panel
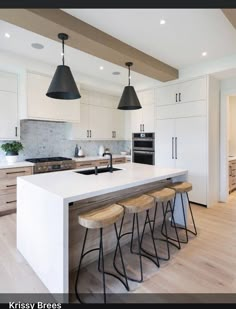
x: 42, y: 234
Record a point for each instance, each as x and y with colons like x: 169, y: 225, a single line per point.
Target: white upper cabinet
x: 100, y: 118
x: 41, y: 107
x: 193, y: 90
x: 118, y: 124
x: 188, y: 91
x: 143, y: 120
x: 167, y: 95
x: 9, y: 123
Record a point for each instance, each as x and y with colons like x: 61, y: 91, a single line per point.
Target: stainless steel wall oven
x: 143, y: 148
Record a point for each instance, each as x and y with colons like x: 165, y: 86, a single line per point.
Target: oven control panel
x: 53, y: 166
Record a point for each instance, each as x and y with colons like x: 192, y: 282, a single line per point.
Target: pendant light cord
x: 129, y: 75
x: 63, y: 58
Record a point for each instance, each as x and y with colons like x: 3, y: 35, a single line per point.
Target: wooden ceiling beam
x: 86, y: 38
x: 230, y: 14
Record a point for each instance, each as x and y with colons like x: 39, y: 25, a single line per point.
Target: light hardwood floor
x: 207, y: 264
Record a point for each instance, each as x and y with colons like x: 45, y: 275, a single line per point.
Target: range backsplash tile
x: 48, y: 139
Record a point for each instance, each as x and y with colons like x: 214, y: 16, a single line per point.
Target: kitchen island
x: 48, y: 233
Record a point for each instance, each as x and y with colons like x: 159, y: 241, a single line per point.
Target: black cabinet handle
x: 114, y: 134
x: 143, y: 127
x: 90, y: 133
x: 179, y: 97
x: 19, y: 172
x: 140, y: 128
x: 172, y: 147
x: 15, y: 131
x: 87, y: 133
x: 176, y: 97
x: 10, y: 186
x: 176, y: 148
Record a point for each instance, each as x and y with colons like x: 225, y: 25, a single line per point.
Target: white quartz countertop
x: 93, y: 158
x: 232, y: 158
x: 72, y: 186
x: 4, y: 164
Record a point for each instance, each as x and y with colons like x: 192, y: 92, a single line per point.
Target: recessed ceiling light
x: 101, y: 67
x: 162, y: 22
x: 116, y: 73
x: 7, y: 35
x: 37, y: 45
x: 204, y: 54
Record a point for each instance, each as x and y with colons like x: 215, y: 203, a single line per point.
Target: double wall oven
x: 143, y: 148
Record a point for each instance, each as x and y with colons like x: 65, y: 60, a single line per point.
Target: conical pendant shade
x: 129, y: 99
x: 63, y: 85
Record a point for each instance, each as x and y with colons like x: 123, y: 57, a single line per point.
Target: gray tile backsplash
x: 48, y: 139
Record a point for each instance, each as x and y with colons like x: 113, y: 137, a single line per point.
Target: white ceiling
x: 180, y: 42
x: 86, y: 65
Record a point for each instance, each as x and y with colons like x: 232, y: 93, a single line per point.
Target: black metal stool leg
x: 185, y: 228
x: 185, y: 223
x: 78, y: 271
x: 122, y: 261
x: 164, y: 212
x: 139, y: 250
x: 175, y: 227
x: 153, y: 241
x: 148, y: 254
x: 190, y: 208
x: 102, y: 259
x: 132, y: 234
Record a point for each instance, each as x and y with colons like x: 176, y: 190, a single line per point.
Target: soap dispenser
x: 101, y: 150
x: 76, y: 151
x: 81, y: 153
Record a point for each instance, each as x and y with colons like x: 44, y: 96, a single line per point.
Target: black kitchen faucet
x: 109, y: 154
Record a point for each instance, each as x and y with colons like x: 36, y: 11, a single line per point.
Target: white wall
x: 208, y: 67
x: 232, y: 126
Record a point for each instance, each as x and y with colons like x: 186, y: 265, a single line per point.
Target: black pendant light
x: 63, y: 85
x: 129, y: 99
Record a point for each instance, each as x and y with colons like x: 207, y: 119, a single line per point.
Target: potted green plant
x: 12, y: 150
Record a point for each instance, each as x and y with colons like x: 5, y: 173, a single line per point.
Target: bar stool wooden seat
x: 136, y: 205
x: 164, y: 197
x: 183, y: 188
x: 99, y: 219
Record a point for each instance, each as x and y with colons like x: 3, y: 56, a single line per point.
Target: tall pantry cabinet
x: 187, y: 134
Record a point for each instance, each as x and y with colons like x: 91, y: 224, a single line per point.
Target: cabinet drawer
x: 7, y: 186
x: 85, y: 164
x: 119, y: 160
x: 12, y: 173
x: 8, y: 199
x: 7, y: 208
x: 102, y: 162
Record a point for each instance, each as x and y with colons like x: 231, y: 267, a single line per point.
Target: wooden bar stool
x: 136, y: 205
x: 164, y: 196
x: 183, y: 188
x: 99, y: 219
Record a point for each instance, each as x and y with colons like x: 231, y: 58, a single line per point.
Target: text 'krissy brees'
x: 38, y: 305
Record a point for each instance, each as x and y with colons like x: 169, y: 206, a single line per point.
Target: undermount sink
x: 99, y: 170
